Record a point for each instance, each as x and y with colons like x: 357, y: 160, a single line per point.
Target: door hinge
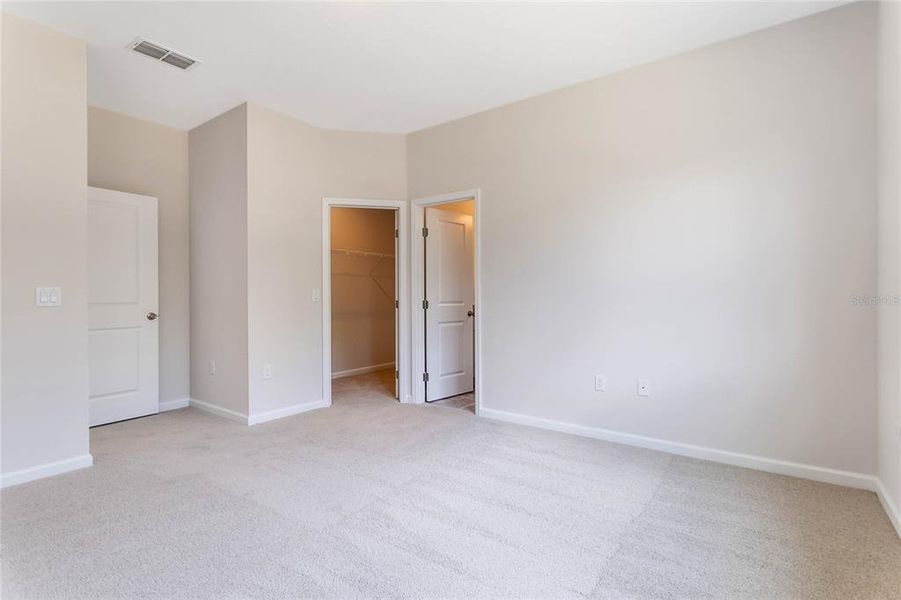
x: 397, y: 304
x: 425, y: 232
x: 425, y: 305
x: 397, y: 374
x: 397, y: 233
x: 425, y: 377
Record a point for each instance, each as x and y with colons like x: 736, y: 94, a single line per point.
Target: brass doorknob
x: 469, y: 313
x: 152, y: 316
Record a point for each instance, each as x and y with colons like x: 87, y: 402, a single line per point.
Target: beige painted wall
x: 283, y: 246
x: 701, y: 221
x: 132, y: 155
x: 292, y: 166
x: 890, y: 249
x: 355, y: 163
x: 464, y: 207
x: 276, y: 234
x: 218, y: 216
x: 44, y: 179
x: 362, y: 312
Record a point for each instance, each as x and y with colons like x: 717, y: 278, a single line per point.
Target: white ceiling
x: 375, y: 66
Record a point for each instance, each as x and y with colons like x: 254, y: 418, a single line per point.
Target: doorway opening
x: 362, y: 291
x: 446, y: 330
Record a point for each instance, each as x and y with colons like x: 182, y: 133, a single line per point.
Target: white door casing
x: 123, y: 328
x: 403, y: 314
x: 397, y: 276
x: 449, y: 290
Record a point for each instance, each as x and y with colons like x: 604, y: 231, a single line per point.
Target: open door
x: 123, y: 330
x: 396, y: 305
x: 449, y: 287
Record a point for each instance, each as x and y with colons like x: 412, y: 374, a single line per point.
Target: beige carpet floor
x: 465, y: 401
x: 383, y: 381
x: 374, y: 499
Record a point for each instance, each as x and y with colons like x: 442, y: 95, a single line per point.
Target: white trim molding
x: 46, y: 470
x: 403, y: 310
x: 288, y: 411
x: 174, y: 404
x: 894, y: 515
x: 362, y: 370
x: 417, y: 293
x: 229, y: 414
x: 770, y: 465
x: 257, y: 418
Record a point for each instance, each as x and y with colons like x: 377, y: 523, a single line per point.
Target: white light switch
x: 48, y: 296
x: 316, y: 295
x: 600, y: 383
x: 267, y: 371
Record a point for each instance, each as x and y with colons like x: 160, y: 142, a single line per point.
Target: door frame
x: 403, y: 315
x: 417, y: 264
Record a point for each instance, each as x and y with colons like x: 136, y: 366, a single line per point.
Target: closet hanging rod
x: 349, y: 252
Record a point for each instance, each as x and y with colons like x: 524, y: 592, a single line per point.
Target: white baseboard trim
x: 219, y: 411
x: 296, y: 409
x: 894, y: 515
x: 46, y: 470
x: 770, y: 465
x: 174, y: 404
x: 257, y: 418
x: 362, y: 370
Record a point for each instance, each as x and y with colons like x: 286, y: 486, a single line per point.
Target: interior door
x: 123, y: 326
x: 396, y: 306
x: 449, y: 285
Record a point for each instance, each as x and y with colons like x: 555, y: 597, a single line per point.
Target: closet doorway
x: 363, y: 290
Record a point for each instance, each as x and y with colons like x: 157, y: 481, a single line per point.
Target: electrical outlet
x: 212, y: 367
x: 644, y: 387
x: 600, y: 383
x: 267, y: 371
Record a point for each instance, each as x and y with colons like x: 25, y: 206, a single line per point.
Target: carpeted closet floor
x: 370, y: 498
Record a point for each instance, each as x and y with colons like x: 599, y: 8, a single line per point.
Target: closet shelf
x: 349, y: 252
x: 371, y: 274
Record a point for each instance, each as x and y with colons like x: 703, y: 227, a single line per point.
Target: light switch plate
x: 48, y: 296
x: 600, y: 383
x: 267, y: 371
x: 316, y: 296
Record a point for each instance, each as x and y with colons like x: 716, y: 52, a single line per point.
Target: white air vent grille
x: 162, y: 54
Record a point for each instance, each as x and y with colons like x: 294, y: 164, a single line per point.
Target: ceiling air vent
x: 161, y: 53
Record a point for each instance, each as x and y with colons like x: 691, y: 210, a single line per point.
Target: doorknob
x: 469, y: 313
x: 152, y: 316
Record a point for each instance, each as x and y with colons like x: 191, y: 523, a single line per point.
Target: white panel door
x: 123, y: 326
x: 397, y: 277
x: 449, y: 291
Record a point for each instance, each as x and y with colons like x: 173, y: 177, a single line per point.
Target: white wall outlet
x: 316, y: 296
x: 644, y: 387
x: 267, y: 371
x: 48, y: 296
x: 212, y: 367
x: 600, y: 383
